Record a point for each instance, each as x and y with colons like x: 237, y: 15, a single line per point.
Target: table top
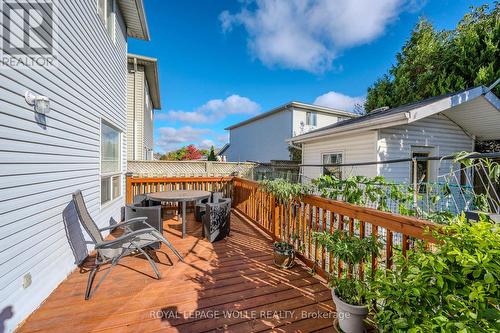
x: 179, y: 195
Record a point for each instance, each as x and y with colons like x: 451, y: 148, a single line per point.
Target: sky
x: 221, y: 62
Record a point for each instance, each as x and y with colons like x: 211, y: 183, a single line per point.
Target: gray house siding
x: 135, y: 114
x: 139, y: 115
x: 436, y: 134
x: 44, y: 159
x: 148, y: 125
x: 261, y: 140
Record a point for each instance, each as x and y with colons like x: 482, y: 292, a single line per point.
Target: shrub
x: 452, y: 288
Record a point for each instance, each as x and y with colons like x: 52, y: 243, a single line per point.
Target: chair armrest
x: 124, y: 238
x: 141, y: 219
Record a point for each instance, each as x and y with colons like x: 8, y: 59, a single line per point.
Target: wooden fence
x: 296, y: 221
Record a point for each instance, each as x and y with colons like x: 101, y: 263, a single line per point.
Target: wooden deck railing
x: 140, y: 185
x: 296, y: 221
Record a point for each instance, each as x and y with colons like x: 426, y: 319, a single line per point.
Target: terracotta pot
x: 350, y: 317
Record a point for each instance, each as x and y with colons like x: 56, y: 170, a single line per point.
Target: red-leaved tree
x: 192, y: 153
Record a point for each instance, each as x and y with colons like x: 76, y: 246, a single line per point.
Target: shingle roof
x: 383, y: 113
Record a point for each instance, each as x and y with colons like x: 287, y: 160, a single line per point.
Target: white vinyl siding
x: 440, y: 135
x: 43, y: 160
x: 148, y: 125
x: 300, y: 121
x: 354, y: 148
x: 136, y: 112
x: 261, y: 140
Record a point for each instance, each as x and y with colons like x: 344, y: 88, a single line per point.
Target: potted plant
x: 284, y: 254
x: 349, y: 288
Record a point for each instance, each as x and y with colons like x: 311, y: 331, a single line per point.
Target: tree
x: 211, y: 155
x: 434, y: 62
x: 295, y: 154
x: 192, y: 153
x: 183, y: 154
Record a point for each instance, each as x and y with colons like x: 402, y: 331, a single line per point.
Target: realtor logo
x: 28, y: 34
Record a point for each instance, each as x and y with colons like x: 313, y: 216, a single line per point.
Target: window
x: 311, y: 119
x: 423, y: 169
x: 105, y: 9
x: 110, y: 163
x: 333, y: 158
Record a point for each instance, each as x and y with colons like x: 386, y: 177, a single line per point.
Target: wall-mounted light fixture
x: 40, y: 103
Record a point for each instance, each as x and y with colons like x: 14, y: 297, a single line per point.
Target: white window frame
x: 110, y: 175
x: 309, y: 118
x: 338, y: 152
x: 110, y: 27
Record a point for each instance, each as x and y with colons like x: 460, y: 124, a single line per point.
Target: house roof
x: 151, y: 73
x: 293, y: 104
x: 134, y: 16
x: 448, y: 104
x: 222, y: 150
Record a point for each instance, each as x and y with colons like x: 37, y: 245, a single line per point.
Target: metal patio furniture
x: 153, y: 215
x: 182, y: 197
x: 115, y: 249
x: 200, y: 207
x: 217, y: 220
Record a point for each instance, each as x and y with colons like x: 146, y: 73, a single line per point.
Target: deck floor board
x: 229, y: 286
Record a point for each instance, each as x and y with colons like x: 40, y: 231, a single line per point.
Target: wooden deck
x: 229, y: 286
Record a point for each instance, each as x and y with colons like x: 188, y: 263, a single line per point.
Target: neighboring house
x: 436, y: 126
x: 221, y: 153
x: 263, y: 137
x: 79, y: 144
x: 143, y: 97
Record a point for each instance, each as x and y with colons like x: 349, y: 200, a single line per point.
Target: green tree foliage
x: 295, y: 154
x: 184, y: 154
x: 211, y: 155
x: 435, y: 62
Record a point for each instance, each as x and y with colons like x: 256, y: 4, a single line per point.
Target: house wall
x: 148, y: 125
x: 261, y: 140
x: 355, y: 148
x: 323, y: 119
x: 135, y: 112
x: 44, y: 159
x: 437, y: 134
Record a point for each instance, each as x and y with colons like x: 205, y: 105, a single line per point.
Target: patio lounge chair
x: 216, y: 221
x: 115, y: 249
x: 153, y: 215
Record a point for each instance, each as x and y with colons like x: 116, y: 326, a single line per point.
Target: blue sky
x: 221, y: 62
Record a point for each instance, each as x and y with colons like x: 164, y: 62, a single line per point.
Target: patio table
x: 181, y: 196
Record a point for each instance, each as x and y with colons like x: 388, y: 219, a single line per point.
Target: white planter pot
x: 350, y: 317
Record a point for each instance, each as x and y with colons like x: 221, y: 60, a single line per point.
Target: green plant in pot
x: 284, y: 254
x: 349, y: 290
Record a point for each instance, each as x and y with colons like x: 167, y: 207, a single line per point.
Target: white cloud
x: 170, y: 138
x: 309, y: 34
x: 213, y: 111
x: 340, y: 101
